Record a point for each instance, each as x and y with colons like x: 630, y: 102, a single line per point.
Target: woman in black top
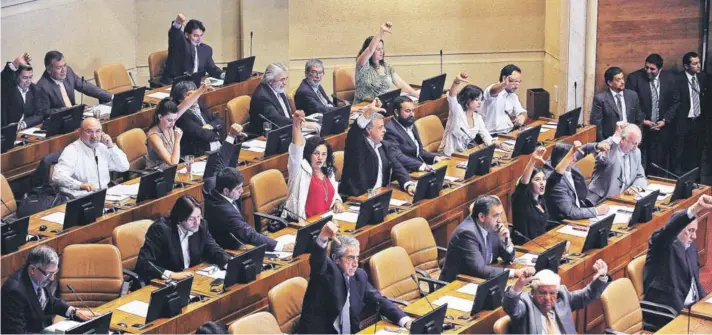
x: 529, y: 212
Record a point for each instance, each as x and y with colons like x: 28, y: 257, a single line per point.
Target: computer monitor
x: 685, y: 184
x: 196, y: 78
x: 568, y: 122
x: 84, y: 210
x: 244, y: 267
x: 387, y: 100
x: 306, y: 235
x: 14, y: 235
x: 432, y: 88
x: 168, y: 301
x: 278, y: 140
x: 374, y: 209
x: 335, y: 121
x: 597, y: 236
x: 226, y: 156
x: 550, y: 258
x: 526, y: 141
x: 644, y: 208
x: 127, y: 102
x: 431, y: 323
x: 64, y: 121
x: 479, y: 162
x: 8, y: 135
x: 97, y: 325
x: 430, y: 184
x: 239, y: 70
x: 156, y: 184
x: 490, y: 293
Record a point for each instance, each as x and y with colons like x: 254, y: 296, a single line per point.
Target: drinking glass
x: 188, y: 160
x: 267, y: 127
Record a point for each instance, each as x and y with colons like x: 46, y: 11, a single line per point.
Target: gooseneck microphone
x: 516, y: 232
x: 132, y: 79
x: 472, y: 140
x: 163, y: 275
x: 299, y: 217
x: 82, y: 98
x: 80, y: 299
x: 98, y: 175
x: 664, y: 170
x: 378, y: 315
x: 441, y: 61
x: 412, y: 276
x: 239, y: 242
x: 270, y: 121
x: 250, y: 43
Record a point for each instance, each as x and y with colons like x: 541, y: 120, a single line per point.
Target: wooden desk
x: 684, y: 324
x: 394, y: 328
x: 701, y: 309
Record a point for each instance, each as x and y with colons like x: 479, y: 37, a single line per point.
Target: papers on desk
x: 254, y: 145
x: 348, y: 216
x: 396, y: 202
x: 454, y: 303
x: 509, y: 142
x: 526, y: 259
x: 32, y: 132
x: 623, y: 214
x: 569, y: 230
x: 121, y: 192
x: 212, y: 271
x: 103, y: 110
x: 159, y: 95
x: 453, y: 179
x: 470, y: 288
x: 197, y: 169
x: 216, y: 81
x: 282, y: 255
x: 384, y: 331
x: 314, y: 117
x: 286, y: 239
x: 548, y: 126
x: 664, y: 189
x: 57, y: 217
x: 708, y: 301
x: 61, y: 326
x: 135, y: 307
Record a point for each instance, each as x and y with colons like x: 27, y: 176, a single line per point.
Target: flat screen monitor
x: 374, y: 210
x: 526, y: 141
x: 431, y: 323
x: 490, y: 293
x: 430, y: 184
x: 156, y: 184
x: 644, y: 208
x: 597, y: 236
x: 127, y: 102
x: 387, y: 100
x: 684, y: 185
x: 568, y: 122
x: 244, y: 267
x: 305, y: 236
x: 239, y: 70
x: 97, y: 325
x: 64, y: 121
x: 278, y: 140
x: 8, y: 135
x: 84, y: 210
x: 196, y: 78
x: 168, y: 301
x: 226, y: 156
x: 432, y: 88
x: 335, y: 121
x: 479, y: 162
x: 550, y: 258
x: 14, y: 235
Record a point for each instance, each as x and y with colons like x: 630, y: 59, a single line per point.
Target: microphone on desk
x: 250, y: 43
x: 441, y: 61
x: 516, y: 232
x: 5, y: 220
x: 412, y: 276
x: 268, y: 120
x: 472, y: 140
x: 163, y: 275
x: 98, y: 176
x: 132, y: 79
x: 82, y: 98
x: 664, y: 170
x: 299, y: 217
x: 80, y: 299
x: 378, y: 315
x: 239, y: 242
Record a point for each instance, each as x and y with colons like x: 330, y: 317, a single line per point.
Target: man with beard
x: 84, y: 164
x: 503, y: 110
x: 404, y: 140
x: 310, y: 96
x: 187, y: 53
x: 614, y: 105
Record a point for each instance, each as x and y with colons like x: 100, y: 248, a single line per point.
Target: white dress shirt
x: 409, y: 131
x: 362, y: 122
x: 691, y: 112
x: 285, y: 110
x: 280, y: 244
x: 454, y: 139
x: 214, y: 145
x: 184, y: 238
x: 615, y: 102
x: 77, y: 165
x: 499, y: 108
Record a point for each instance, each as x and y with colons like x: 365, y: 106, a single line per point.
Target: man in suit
x: 368, y: 163
x: 672, y: 273
x: 620, y: 170
x: 225, y: 221
x: 689, y: 121
x: 59, y: 82
x: 178, y: 242
x: 338, y: 291
x: 614, y: 104
x: 659, y: 100
x: 549, y: 307
x: 187, y: 53
x: 404, y: 138
x: 27, y: 304
x: 310, y: 96
x: 478, y: 241
x: 20, y: 97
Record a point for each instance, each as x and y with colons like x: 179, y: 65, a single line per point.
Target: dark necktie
x: 488, y: 251
x: 655, y: 99
x: 41, y: 296
x: 695, y: 98
x: 619, y: 102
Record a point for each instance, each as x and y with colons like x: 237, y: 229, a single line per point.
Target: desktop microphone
x: 378, y: 315
x: 163, y: 275
x: 412, y: 276
x: 98, y: 176
x: 664, y: 170
x: 132, y: 79
x: 250, y: 43
x: 239, y: 242
x: 441, y: 61
x: 80, y: 299
x: 575, y: 96
x: 299, y: 217
x: 6, y: 207
x: 268, y: 120
x: 82, y: 98
x: 472, y: 140
x: 516, y: 232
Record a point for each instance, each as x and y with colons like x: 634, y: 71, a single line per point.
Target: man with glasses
x: 311, y: 96
x: 84, y: 164
x: 27, y: 304
x: 502, y: 109
x: 338, y: 290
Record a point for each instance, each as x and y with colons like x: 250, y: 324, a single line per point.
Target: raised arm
x: 170, y: 158
x: 297, y: 119
x: 498, y: 87
x: 193, y: 98
x: 405, y: 87
x: 363, y: 58
x: 461, y: 78
x: 537, y: 157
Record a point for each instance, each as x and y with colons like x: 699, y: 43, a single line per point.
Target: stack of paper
x: 254, y: 145
x: 104, y: 110
x: 32, y: 132
x: 56, y: 217
x: 455, y: 303
x: 396, y: 202
x: 314, y: 117
x: 549, y: 126
x: 664, y: 189
x: 287, y: 239
x: 526, y: 259
x: 135, y: 307
x: 623, y: 214
x: 569, y: 230
x: 61, y: 326
x: 121, y: 192
x: 470, y: 288
x: 197, y: 169
x: 159, y: 95
x: 212, y: 271
x: 216, y: 81
x: 543, y: 130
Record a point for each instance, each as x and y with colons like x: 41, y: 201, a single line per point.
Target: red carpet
x: 706, y: 271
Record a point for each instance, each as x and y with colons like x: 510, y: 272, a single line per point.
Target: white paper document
x: 287, y: 239
x: 346, y: 217
x: 254, y: 145
x: 453, y: 179
x: 709, y: 301
x: 569, y: 230
x: 129, y: 190
x: 158, y: 95
x: 548, y: 126
x: 664, y: 189
x: 396, y: 202
x: 212, y: 271
x: 57, y: 217
x: 197, y: 169
x: 388, y: 332
x: 103, y: 109
x: 135, y: 307
x: 455, y: 303
x: 470, y: 288
x: 31, y: 132
x: 314, y: 117
x: 61, y: 326
x: 623, y: 214
x: 216, y: 81
x: 526, y: 259
x: 543, y: 130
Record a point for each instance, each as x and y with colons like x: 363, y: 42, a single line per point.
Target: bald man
x: 620, y: 170
x: 85, y: 164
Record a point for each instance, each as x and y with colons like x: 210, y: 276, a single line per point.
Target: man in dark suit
x: 187, y: 53
x: 20, y: 97
x: 404, y: 138
x: 310, y: 96
x: 672, y: 273
x: 478, y: 241
x: 659, y: 100
x: 178, y: 242
x: 59, y: 82
x: 338, y: 290
x: 368, y: 163
x: 27, y: 304
x: 225, y: 221
x: 614, y: 104
x: 690, y: 119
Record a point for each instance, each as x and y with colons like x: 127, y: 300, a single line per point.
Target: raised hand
x: 386, y: 28
x: 298, y: 117
x: 538, y: 155
x: 462, y: 77
x: 601, y: 269
x: 704, y: 203
x: 180, y: 19
x: 23, y: 60
x: 524, y: 277
x: 328, y: 231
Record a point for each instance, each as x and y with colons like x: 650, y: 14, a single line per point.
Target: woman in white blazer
x: 463, y: 123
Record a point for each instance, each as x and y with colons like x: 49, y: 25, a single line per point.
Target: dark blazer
x: 306, y: 99
x: 669, y: 268
x: 265, y: 103
x: 162, y: 248
x: 604, y: 112
x: 13, y: 107
x: 223, y: 218
x: 404, y: 150
x: 181, y: 57
x: 683, y: 88
x: 561, y: 197
x: 466, y: 253
x: 21, y: 310
x: 361, y: 164
x: 52, y: 101
x: 326, y: 295
x: 196, y: 140
x: 669, y: 98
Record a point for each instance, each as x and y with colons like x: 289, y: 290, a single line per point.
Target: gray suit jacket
x: 605, y: 114
x: 52, y: 101
x: 527, y: 318
x: 607, y: 177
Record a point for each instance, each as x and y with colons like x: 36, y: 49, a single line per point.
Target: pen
x: 579, y: 228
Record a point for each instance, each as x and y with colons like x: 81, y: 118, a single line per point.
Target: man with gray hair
x: 548, y: 308
x: 27, y: 304
x: 310, y: 96
x: 338, y: 290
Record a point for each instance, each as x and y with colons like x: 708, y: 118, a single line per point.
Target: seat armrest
x: 132, y: 279
x: 338, y: 100
x: 613, y: 332
x: 655, y: 315
x: 398, y: 301
x: 653, y: 306
x: 155, y: 83
x: 258, y: 223
x: 433, y: 284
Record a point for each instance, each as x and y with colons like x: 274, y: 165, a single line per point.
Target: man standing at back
x: 614, y: 105
x: 187, y: 53
x: 690, y: 121
x: 20, y: 95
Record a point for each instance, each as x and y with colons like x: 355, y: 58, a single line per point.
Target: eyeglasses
x: 93, y: 132
x: 46, y: 273
x: 314, y: 73
x: 352, y: 258
x: 547, y: 294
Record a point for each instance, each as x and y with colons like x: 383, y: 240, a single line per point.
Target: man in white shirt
x: 84, y: 165
x: 502, y: 110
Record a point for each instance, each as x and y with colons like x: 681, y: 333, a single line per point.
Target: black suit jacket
x: 21, y: 310
x: 52, y: 101
x: 13, y: 107
x: 404, y: 150
x: 669, y: 268
x: 224, y: 219
x: 181, y: 57
x: 361, y: 164
x: 306, y: 99
x: 196, y: 140
x: 162, y: 248
x: 326, y: 295
x: 683, y: 88
x: 604, y: 112
x: 265, y: 103
x: 466, y: 253
x: 669, y: 97
x: 561, y: 200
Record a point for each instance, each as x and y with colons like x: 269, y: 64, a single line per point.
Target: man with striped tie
x: 691, y: 85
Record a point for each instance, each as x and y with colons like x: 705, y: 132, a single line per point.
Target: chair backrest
x: 345, y: 82
x: 8, y: 198
x: 113, y: 78
x: 586, y: 166
x: 634, y: 271
x: 258, y: 323
x: 290, y: 97
x: 285, y: 302
x: 391, y: 272
x: 501, y: 326
x: 268, y: 190
x: 339, y: 164
x: 133, y: 144
x: 431, y: 132
x: 129, y: 238
x: 94, y: 271
x: 621, y: 307
x: 156, y: 63
x: 238, y: 110
x: 416, y: 238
